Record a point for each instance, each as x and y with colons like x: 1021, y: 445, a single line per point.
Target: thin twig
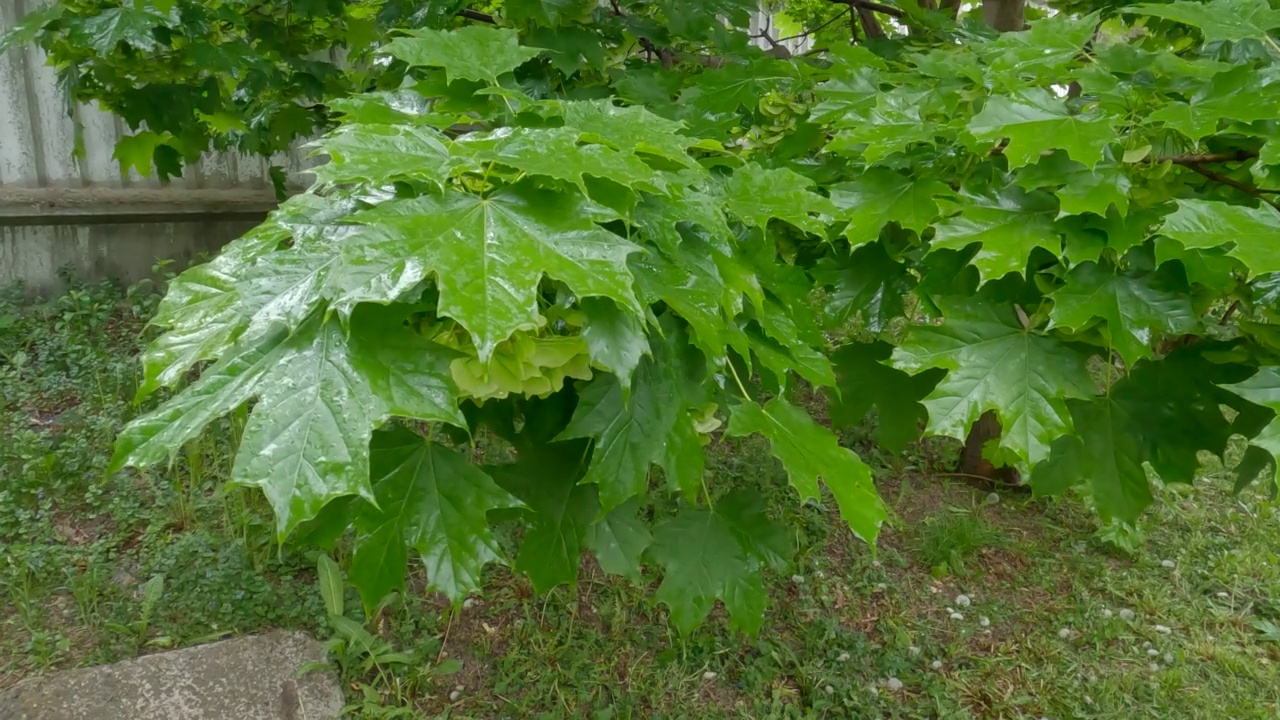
x: 1230, y: 311
x: 478, y: 16
x: 1242, y: 187
x: 818, y: 29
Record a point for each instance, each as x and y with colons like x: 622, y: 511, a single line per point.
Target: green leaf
x: 307, y: 438
x: 1009, y: 226
x: 1263, y: 389
x: 329, y: 576
x: 406, y: 372
x: 761, y: 537
x: 702, y: 562
x: 993, y: 363
x: 630, y: 434
x: 558, y: 153
x: 134, y: 152
x: 104, y: 30
x: 756, y: 194
x: 468, y: 53
x: 616, y: 339
x: 1207, y: 224
x: 1137, y: 306
x: 881, y: 196
x: 1035, y: 121
x: 1044, y: 52
x: 30, y: 27
x: 1235, y: 94
x: 867, y: 284
x: 683, y: 459
x: 430, y: 499
x: 1106, y: 454
x: 487, y: 255
x: 380, y: 154
x: 628, y: 129
x: 865, y: 382
x: 619, y: 539
x: 808, y: 452
x: 545, y: 479
x: 894, y: 124
x: 1231, y: 20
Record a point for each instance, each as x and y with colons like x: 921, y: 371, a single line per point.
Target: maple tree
x: 598, y: 235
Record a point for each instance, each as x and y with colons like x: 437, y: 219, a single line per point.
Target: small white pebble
x: 993, y: 498
x: 820, y: 574
x: 797, y: 579
x: 468, y: 603
x: 936, y: 664
x: 1064, y: 633
x: 1208, y: 638
x: 1154, y: 667
x: 1168, y: 658
x: 1224, y: 595
x: 459, y: 688
x: 1088, y: 700
x: 1146, y: 644
x: 950, y: 609
x: 828, y: 690
x: 934, y: 590
x: 957, y: 616
x: 874, y: 690
x: 1106, y: 613
x: 963, y: 601
x: 1164, y: 630
x: 1127, y: 614
x: 894, y: 684
x: 881, y: 587
x: 915, y: 651
x: 453, y: 696
x: 1168, y: 564
x: 875, y: 563
x: 844, y: 657
x: 1152, y: 652
x: 984, y: 621
x: 709, y: 675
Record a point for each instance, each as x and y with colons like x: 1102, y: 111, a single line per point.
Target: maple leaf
x: 468, y: 53
x: 1231, y: 20
x: 809, y: 452
x: 994, y: 363
x: 1207, y: 224
x: 1035, y: 122
x: 433, y: 500
x: 881, y: 196
x: 865, y: 382
x: 1138, y: 306
x: 487, y: 256
x: 1009, y: 226
x: 756, y: 195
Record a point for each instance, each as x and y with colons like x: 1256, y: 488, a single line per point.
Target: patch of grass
x: 1175, y: 618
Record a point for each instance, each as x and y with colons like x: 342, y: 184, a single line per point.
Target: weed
x: 949, y: 541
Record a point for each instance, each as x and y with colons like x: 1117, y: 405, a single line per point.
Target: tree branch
x: 889, y: 10
x: 1231, y: 182
x: 478, y: 16
x: 1204, y: 158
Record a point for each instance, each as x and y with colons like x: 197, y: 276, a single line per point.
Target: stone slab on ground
x: 249, y: 678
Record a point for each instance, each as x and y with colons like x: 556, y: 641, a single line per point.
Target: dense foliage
x: 593, y: 236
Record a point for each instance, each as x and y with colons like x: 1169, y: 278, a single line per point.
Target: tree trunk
x: 1005, y: 15
x: 971, y: 460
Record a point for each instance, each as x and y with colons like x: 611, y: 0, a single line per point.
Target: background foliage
x: 558, y: 244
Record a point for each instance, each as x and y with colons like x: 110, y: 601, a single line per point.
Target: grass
x: 97, y: 568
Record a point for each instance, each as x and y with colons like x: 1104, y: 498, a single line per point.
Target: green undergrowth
x: 97, y: 568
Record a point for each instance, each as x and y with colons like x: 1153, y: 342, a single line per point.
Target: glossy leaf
x: 994, y: 363
x: 1137, y: 307
x: 1207, y: 224
x: 487, y: 256
x: 865, y: 381
x: 431, y: 500
x: 1232, y: 20
x: 881, y: 196
x: 810, y: 452
x: 702, y: 562
x: 756, y: 195
x: 1009, y: 226
x: 468, y: 53
x: 1035, y: 122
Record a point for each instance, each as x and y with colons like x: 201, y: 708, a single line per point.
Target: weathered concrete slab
x: 250, y: 678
